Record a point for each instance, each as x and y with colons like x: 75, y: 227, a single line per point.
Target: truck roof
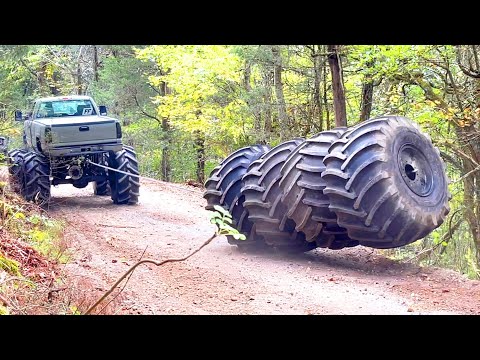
x: 68, y: 97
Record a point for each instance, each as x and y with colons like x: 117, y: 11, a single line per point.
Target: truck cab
x: 70, y: 125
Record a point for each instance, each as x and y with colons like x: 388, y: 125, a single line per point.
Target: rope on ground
x: 142, y: 177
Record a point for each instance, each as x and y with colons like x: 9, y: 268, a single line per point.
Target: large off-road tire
x: 125, y: 189
x: 262, y: 200
x: 36, y: 172
x: 223, y: 187
x: 302, y: 188
x: 15, y: 159
x: 386, y: 182
x: 102, y: 188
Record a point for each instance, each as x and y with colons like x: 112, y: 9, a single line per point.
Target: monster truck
x: 64, y: 138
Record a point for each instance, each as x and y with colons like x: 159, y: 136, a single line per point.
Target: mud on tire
x: 125, y: 189
x: 262, y: 200
x: 223, y: 187
x: 303, y: 195
x: 36, y: 173
x: 386, y: 183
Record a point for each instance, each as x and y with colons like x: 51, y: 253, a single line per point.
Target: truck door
x: 27, y: 127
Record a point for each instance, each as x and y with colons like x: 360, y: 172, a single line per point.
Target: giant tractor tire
x: 102, y: 187
x: 36, y: 172
x: 303, y: 196
x: 125, y: 188
x: 386, y: 182
x: 15, y: 159
x: 223, y: 188
x: 262, y: 200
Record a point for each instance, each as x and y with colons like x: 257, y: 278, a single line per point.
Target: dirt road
x: 170, y: 222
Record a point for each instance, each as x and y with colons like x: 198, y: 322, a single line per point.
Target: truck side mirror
x: 103, y: 110
x: 18, y: 115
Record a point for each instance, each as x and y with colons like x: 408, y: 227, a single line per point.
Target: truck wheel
x: 36, y: 171
x: 262, y: 200
x: 303, y: 195
x: 12, y: 159
x: 15, y: 160
x: 386, y: 183
x: 223, y: 188
x: 102, y: 188
x: 125, y: 189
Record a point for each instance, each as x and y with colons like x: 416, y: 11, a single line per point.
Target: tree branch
x: 33, y: 72
x: 451, y: 160
x: 466, y: 175
x: 154, y: 89
x: 466, y: 71
x: 143, y: 112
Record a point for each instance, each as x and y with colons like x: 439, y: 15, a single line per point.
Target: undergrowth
x: 32, y: 247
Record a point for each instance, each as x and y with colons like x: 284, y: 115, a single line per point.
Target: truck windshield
x: 61, y: 108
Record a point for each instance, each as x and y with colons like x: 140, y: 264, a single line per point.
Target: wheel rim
x: 416, y: 170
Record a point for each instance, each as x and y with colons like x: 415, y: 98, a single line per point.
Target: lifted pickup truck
x: 64, y: 138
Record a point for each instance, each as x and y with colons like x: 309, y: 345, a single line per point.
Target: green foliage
x: 223, y: 220
x: 44, y: 233
x: 9, y: 265
x: 4, y: 310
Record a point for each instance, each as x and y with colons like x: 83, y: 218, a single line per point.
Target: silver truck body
x: 66, y: 134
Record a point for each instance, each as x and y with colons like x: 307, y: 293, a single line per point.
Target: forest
x: 185, y: 107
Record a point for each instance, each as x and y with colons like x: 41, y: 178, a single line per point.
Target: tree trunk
x: 53, y: 86
x: 471, y: 184
x: 267, y: 101
x: 95, y: 63
x: 317, y: 68
x: 79, y: 80
x: 334, y: 62
x: 200, y: 153
x: 277, y: 78
x: 166, y: 170
x: 325, y: 96
x: 472, y: 206
x: 78, y: 75
x: 253, y: 106
x: 367, y: 99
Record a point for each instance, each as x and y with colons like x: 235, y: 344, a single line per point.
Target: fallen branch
x: 124, y: 285
x: 118, y: 226
x: 146, y: 261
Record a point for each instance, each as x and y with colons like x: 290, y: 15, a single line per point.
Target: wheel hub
x: 415, y: 169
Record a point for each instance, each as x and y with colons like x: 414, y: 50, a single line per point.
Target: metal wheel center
x: 415, y: 169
